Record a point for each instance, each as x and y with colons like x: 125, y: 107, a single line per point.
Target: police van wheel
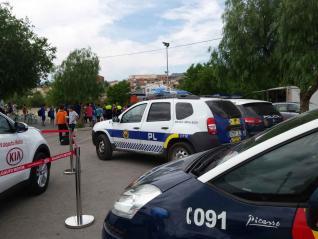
x: 179, y: 150
x: 39, y: 176
x: 103, y: 148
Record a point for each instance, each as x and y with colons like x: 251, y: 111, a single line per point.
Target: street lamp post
x: 167, y: 44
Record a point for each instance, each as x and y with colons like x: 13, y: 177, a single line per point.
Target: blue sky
x: 112, y: 27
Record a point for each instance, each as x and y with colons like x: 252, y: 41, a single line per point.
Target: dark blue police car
x: 265, y: 187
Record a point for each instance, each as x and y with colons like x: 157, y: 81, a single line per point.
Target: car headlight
x: 133, y: 199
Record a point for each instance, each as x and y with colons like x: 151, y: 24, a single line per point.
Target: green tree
x: 75, y: 80
x: 298, y: 48
x: 208, y: 78
x: 36, y: 99
x: 119, y: 93
x: 249, y: 42
x: 191, y: 80
x: 25, y: 58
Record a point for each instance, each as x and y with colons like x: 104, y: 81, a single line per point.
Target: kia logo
x: 14, y: 156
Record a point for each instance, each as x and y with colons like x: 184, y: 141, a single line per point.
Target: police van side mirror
x: 312, y: 211
x: 20, y: 127
x: 115, y: 119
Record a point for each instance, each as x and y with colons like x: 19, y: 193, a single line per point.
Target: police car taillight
x: 211, y: 126
x: 254, y: 121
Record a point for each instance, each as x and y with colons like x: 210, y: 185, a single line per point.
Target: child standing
x: 72, y: 117
x: 51, y: 115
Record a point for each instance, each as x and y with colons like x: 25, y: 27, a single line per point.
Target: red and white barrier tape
x: 36, y: 163
x: 48, y: 131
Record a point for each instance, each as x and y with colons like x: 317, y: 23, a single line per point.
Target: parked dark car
x: 258, y: 115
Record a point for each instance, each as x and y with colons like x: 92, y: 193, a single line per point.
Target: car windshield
x: 224, y: 153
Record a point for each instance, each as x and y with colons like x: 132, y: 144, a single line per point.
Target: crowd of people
x: 66, y: 117
x: 92, y: 113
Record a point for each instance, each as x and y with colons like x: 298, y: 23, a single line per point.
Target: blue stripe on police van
x: 141, y: 135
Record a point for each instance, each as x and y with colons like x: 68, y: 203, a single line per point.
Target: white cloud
x: 81, y: 23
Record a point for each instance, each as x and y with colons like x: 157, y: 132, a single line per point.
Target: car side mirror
x: 312, y: 211
x: 116, y: 119
x: 20, y: 127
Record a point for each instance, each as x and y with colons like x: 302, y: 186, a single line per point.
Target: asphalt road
x: 22, y: 216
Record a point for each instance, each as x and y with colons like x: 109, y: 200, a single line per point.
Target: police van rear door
x: 157, y: 126
x: 228, y: 119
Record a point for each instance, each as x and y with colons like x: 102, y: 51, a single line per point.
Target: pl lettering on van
x: 208, y: 218
x: 152, y: 136
x: 260, y: 222
x: 10, y: 143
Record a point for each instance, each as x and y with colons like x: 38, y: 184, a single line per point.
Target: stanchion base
x: 71, y: 222
x: 69, y: 171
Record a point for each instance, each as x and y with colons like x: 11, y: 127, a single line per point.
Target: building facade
x: 142, y: 83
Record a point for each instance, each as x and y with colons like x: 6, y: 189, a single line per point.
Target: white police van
x: 20, y: 144
x: 173, y: 127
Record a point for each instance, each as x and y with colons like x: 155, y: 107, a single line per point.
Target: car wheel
x: 179, y: 150
x: 39, y: 176
x: 103, y: 147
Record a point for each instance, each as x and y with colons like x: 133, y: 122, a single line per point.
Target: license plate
x: 234, y: 133
x: 235, y: 139
x: 235, y: 121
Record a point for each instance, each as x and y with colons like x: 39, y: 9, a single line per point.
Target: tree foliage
x: 75, y: 80
x: 266, y: 43
x: 298, y: 51
x: 36, y: 99
x: 248, y: 44
x: 118, y: 93
x: 208, y: 78
x: 25, y: 58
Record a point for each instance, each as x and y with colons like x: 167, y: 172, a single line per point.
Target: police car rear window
x: 262, y: 108
x: 183, y: 110
x: 223, y: 108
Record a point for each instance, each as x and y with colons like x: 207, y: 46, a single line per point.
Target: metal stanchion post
x: 78, y: 221
x: 71, y: 170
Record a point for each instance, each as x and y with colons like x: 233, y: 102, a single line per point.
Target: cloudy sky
x: 115, y: 27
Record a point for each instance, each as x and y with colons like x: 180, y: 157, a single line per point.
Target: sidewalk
x: 50, y: 126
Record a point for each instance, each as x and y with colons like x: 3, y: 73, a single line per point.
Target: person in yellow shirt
x: 61, y: 121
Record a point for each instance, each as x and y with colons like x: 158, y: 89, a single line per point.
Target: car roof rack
x: 222, y: 96
x: 174, y: 96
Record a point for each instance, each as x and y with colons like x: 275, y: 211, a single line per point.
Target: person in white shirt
x: 72, y: 117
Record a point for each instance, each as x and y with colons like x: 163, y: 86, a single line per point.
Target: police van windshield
x: 224, y: 153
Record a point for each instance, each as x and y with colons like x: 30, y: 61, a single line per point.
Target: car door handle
x: 164, y: 127
x: 136, y: 128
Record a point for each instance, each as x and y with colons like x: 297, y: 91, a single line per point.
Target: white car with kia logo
x: 20, y: 144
